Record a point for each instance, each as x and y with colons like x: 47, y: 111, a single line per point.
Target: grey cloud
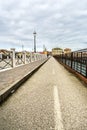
x: 57, y: 23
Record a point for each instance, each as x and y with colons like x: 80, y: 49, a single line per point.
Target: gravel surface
x: 31, y: 107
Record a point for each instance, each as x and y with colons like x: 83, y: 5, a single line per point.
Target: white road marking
x: 57, y: 111
x: 53, y: 71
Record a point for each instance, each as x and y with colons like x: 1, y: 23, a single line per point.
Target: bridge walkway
x: 52, y: 99
x: 11, y: 79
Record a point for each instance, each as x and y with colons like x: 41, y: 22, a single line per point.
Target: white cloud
x: 57, y: 23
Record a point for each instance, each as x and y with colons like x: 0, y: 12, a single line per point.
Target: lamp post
x: 22, y: 47
x: 34, y: 33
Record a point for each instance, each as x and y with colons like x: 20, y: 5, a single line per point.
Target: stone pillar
x: 35, y: 58
x: 31, y: 57
x: 38, y: 57
x: 13, y: 57
x: 24, y: 57
x: 0, y: 56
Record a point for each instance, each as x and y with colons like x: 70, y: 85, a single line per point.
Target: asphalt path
x: 52, y: 99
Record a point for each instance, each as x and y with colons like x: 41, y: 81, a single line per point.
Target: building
x: 67, y: 50
x: 57, y: 51
x: 4, y: 53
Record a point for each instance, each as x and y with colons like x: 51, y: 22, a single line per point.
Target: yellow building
x: 67, y: 50
x: 57, y: 51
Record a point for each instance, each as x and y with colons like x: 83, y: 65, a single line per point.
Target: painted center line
x: 53, y: 71
x: 57, y: 111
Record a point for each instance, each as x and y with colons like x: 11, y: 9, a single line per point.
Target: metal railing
x: 10, y: 59
x: 76, y: 60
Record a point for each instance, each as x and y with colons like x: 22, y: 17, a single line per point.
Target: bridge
x: 50, y: 99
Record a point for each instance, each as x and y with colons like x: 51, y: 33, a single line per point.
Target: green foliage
x: 57, y: 48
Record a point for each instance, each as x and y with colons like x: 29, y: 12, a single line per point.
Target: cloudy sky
x: 58, y: 23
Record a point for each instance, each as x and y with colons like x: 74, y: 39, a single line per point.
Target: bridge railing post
x: 86, y: 70
x: 13, y: 57
x: 71, y: 59
x: 81, y: 64
x: 31, y: 57
x: 35, y: 59
x: 77, y: 62
x: 65, y: 55
x: 62, y: 57
x: 24, y: 57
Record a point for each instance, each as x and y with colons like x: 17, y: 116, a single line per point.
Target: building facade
x: 67, y: 50
x: 57, y: 51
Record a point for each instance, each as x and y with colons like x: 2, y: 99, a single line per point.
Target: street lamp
x: 34, y: 33
x: 22, y: 47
